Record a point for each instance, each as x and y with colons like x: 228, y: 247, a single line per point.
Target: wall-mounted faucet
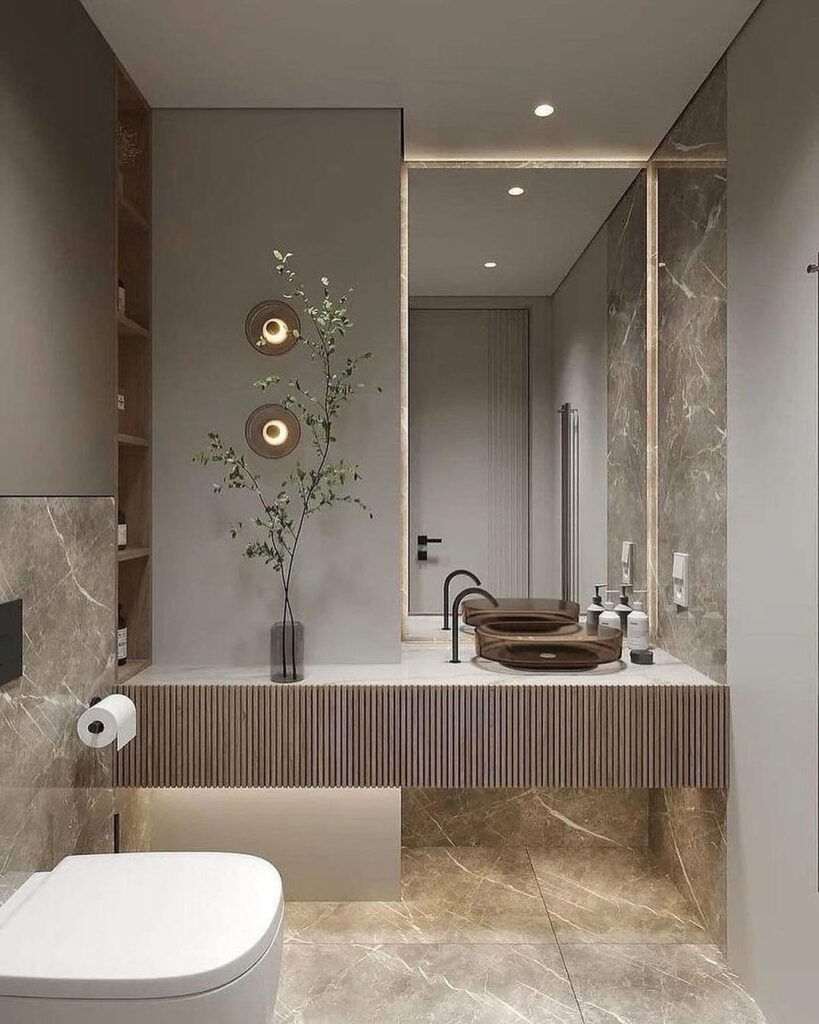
x: 456, y: 605
x: 451, y: 576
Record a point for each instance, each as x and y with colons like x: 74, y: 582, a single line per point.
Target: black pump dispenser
x: 595, y: 608
x: 623, y: 608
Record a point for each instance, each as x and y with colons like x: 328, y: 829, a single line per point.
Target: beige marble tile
x: 688, y: 837
x: 433, y: 984
x: 613, y: 896
x: 524, y: 817
x: 58, y: 555
x: 685, y: 984
x: 447, y: 895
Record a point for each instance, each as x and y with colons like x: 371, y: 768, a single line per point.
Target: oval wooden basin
x: 542, y: 646
x: 477, y: 611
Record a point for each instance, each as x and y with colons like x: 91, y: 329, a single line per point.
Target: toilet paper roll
x: 114, y: 718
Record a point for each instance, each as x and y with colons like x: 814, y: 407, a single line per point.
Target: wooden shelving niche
x: 133, y: 358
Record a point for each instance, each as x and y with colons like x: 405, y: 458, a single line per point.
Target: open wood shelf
x: 130, y: 668
x: 133, y: 440
x: 128, y: 554
x: 132, y: 346
x: 130, y: 328
x: 130, y: 215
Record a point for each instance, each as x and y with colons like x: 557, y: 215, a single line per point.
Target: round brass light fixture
x: 272, y: 431
x: 272, y: 327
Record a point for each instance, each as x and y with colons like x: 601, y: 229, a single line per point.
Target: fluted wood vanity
x: 428, y: 724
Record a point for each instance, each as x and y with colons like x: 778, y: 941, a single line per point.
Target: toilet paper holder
x: 95, y: 727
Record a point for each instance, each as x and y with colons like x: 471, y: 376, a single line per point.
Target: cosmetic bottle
x: 609, y: 617
x: 637, y: 632
x: 595, y: 609
x: 623, y: 609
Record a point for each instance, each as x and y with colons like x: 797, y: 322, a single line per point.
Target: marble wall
x: 626, y: 388
x: 573, y: 818
x: 687, y: 835
x: 58, y: 555
x: 692, y: 377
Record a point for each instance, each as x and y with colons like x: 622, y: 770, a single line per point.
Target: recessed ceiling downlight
x: 544, y: 110
x: 516, y: 190
x: 490, y: 264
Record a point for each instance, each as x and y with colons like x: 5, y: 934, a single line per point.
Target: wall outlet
x: 11, y: 641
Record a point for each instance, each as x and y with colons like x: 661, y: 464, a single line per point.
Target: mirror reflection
x: 524, y: 284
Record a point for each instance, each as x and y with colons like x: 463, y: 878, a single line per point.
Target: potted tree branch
x: 315, y: 483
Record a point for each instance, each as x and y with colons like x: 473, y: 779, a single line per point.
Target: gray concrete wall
x: 229, y: 187
x: 773, y: 232
x: 580, y: 376
x: 57, y: 260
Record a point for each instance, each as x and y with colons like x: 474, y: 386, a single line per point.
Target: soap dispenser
x: 595, y: 609
x: 609, y: 617
x: 623, y: 609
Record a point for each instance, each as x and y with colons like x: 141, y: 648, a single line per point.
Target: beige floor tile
x: 448, y: 895
x: 433, y: 984
x: 613, y: 896
x: 633, y: 984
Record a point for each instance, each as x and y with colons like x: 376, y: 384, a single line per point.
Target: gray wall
x: 773, y: 232
x: 57, y: 261
x: 229, y: 187
x: 580, y: 376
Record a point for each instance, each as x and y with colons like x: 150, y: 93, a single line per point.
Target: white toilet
x: 143, y: 938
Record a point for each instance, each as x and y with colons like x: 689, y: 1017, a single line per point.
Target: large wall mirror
x: 527, y: 293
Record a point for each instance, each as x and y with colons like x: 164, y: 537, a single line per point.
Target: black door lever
x: 423, y: 541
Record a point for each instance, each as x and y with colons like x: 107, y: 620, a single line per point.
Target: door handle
x: 422, y: 541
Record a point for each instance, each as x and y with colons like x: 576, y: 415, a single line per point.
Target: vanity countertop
x: 428, y: 663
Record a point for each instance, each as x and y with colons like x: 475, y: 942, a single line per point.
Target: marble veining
x: 610, y: 818
x: 700, y: 133
x: 58, y: 555
x: 618, y: 896
x: 626, y: 386
x: 351, y: 962
x: 687, y: 835
x: 692, y: 385
x: 650, y: 984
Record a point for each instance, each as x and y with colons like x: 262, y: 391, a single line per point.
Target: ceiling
x: 467, y: 72
x: 459, y: 219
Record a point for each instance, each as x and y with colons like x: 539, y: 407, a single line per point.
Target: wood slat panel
x: 435, y: 735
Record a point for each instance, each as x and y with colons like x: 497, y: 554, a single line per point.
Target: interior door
x: 468, y: 450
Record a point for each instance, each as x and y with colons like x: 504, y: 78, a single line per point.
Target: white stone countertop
x: 428, y: 663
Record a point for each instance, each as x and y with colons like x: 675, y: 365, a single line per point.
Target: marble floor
x: 510, y: 936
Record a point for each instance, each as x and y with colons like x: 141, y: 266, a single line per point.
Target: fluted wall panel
x: 426, y: 735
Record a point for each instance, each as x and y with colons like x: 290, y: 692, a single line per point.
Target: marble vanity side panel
x: 687, y: 835
x: 627, y: 380
x: 606, y: 818
x: 58, y: 555
x: 692, y: 411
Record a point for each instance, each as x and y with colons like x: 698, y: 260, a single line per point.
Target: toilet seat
x: 143, y: 926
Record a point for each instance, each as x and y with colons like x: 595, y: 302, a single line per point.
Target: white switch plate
x: 679, y: 579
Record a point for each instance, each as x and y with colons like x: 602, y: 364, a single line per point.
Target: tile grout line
x: 554, y: 932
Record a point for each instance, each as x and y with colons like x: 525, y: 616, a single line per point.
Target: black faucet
x: 447, y: 581
x: 455, y: 660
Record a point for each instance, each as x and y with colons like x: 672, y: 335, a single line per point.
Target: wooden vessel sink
x: 541, y: 646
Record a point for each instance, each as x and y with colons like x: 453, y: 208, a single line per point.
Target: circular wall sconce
x: 272, y: 327
x: 272, y: 431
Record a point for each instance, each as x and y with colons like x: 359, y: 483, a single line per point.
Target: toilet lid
x: 138, y: 926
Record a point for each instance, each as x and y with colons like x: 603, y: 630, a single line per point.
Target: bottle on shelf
x: 121, y: 297
x: 122, y: 529
x: 609, y: 617
x: 623, y: 608
x: 595, y: 609
x: 122, y: 637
